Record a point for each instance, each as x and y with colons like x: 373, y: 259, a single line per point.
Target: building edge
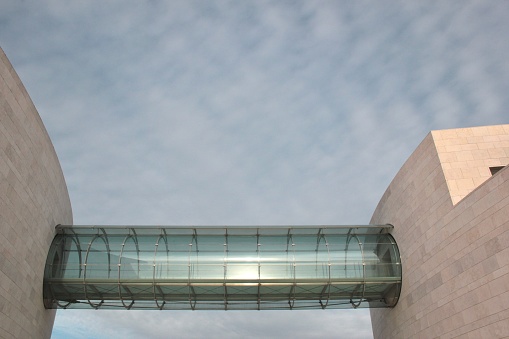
x: 34, y: 199
x: 451, y: 222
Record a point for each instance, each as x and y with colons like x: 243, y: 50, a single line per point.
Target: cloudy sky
x: 247, y: 112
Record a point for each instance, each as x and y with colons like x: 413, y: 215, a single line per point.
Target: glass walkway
x: 222, y: 268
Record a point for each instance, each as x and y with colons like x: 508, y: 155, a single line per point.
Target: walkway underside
x: 227, y: 268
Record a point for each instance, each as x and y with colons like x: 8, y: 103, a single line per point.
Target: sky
x: 247, y: 113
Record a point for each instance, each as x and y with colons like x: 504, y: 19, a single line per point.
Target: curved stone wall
x: 33, y: 200
x: 451, y: 223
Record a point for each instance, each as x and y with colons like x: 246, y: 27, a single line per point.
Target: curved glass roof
x: 226, y: 268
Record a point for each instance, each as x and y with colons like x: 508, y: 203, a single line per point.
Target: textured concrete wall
x: 452, y: 227
x: 33, y: 200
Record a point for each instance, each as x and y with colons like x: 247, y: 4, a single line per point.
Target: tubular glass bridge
x: 222, y: 268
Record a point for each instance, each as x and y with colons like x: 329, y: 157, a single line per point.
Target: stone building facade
x: 33, y: 200
x: 449, y: 205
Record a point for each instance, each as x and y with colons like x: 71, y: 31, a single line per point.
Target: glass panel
x: 97, y: 259
x: 275, y: 261
x: 242, y: 258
